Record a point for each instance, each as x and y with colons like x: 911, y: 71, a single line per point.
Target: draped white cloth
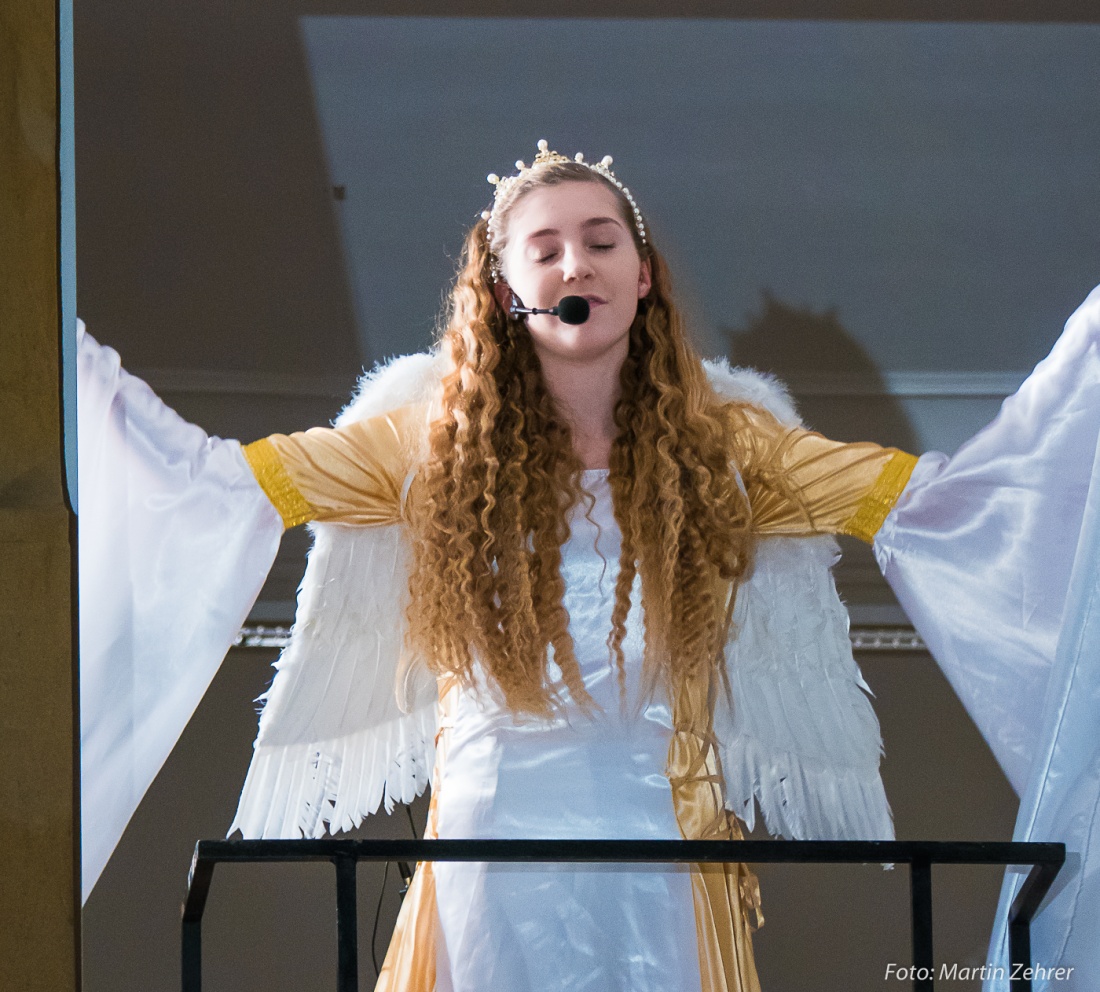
x: 994, y: 555
x: 175, y: 540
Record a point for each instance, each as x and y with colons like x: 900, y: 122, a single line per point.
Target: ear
x: 645, y: 279
x: 503, y: 292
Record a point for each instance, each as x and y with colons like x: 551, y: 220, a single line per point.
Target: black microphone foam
x: 573, y: 309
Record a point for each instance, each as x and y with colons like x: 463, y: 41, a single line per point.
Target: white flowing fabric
x: 175, y: 539
x: 627, y: 928
x: 993, y: 553
x: 1063, y: 795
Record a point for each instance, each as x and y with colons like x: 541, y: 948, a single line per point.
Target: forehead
x: 562, y: 207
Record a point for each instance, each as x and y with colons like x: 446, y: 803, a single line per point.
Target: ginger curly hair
x: 502, y: 476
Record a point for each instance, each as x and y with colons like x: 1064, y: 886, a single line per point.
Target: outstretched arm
x: 981, y: 547
x: 175, y: 540
x: 177, y: 533
x: 354, y: 474
x: 801, y: 483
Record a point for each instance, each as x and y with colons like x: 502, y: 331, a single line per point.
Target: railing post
x: 1024, y: 907
x: 191, y: 956
x: 920, y: 890
x: 347, y: 929
x: 1019, y: 943
x: 198, y: 887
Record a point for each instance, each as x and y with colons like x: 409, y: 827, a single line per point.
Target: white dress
x: 566, y: 928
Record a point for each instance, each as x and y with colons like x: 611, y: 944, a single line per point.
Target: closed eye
x: 603, y: 247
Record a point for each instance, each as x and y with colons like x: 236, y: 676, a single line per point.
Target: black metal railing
x: 1045, y: 861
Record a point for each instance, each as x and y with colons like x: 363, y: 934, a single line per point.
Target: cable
x: 377, y: 916
x: 403, y: 866
x: 406, y: 875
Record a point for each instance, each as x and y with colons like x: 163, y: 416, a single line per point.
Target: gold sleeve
x: 352, y: 474
x: 800, y: 482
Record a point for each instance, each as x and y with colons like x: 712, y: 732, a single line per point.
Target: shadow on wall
x: 839, y: 389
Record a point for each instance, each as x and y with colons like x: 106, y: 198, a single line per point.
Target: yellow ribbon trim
x: 879, y: 501
x: 268, y: 468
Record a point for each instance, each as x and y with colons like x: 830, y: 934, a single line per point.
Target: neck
x: 586, y: 391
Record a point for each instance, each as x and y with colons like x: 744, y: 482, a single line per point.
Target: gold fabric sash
x: 723, y: 893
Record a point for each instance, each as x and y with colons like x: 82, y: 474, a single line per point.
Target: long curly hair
x: 502, y: 476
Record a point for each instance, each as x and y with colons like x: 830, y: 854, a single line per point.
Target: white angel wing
x: 796, y: 731
x: 333, y: 741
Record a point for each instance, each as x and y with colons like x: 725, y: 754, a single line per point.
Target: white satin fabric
x: 980, y: 547
x: 506, y: 926
x: 175, y: 539
x: 994, y: 555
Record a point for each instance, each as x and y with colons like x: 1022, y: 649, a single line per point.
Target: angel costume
x: 349, y: 724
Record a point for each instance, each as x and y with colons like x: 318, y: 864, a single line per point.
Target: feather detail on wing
x: 334, y: 743
x: 796, y: 731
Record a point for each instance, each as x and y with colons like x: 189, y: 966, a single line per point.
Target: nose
x: 575, y: 264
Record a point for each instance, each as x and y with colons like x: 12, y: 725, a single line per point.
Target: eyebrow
x: 591, y: 222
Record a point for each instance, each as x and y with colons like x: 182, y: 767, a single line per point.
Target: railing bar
x: 634, y: 851
x: 1033, y: 891
x: 347, y: 928
x: 198, y: 887
x: 920, y: 894
x: 1047, y: 859
x: 198, y: 881
x: 191, y: 956
x: 1022, y: 912
x: 1019, y: 952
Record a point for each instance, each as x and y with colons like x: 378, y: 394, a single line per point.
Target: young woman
x: 577, y: 579
x: 566, y: 481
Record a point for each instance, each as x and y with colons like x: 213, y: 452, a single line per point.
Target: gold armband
x: 879, y: 501
x: 268, y: 468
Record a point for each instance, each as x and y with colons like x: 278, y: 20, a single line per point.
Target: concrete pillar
x: 39, y: 895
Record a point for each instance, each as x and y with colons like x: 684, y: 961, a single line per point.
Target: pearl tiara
x: 546, y: 157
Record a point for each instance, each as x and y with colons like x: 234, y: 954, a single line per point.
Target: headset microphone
x: 570, y: 309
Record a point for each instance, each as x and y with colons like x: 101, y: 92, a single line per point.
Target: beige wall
x: 39, y: 936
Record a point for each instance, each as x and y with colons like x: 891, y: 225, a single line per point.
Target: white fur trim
x: 749, y: 386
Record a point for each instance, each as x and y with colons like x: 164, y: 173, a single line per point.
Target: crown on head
x: 545, y: 157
